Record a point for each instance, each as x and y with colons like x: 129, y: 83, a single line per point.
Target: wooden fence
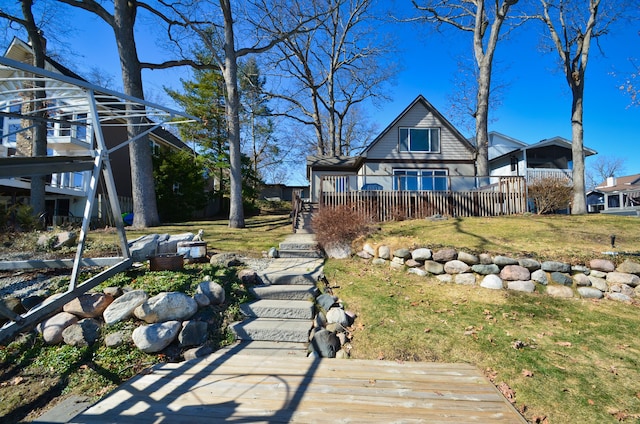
x: 508, y: 197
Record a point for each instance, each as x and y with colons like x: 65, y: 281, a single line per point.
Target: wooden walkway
x: 240, y: 388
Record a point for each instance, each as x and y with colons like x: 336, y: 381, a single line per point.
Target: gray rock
x: 384, y: 252
x: 197, y: 352
x: 364, y: 255
x: 397, y: 260
x: 379, y: 261
x: 590, y: 293
x: 83, y: 333
x: 539, y: 276
x: 338, y: 250
x: 553, y: 266
x: 622, y: 288
x: 52, y: 328
x: 501, y: 261
x: 515, y: 273
x: 369, y: 249
x: 421, y: 254
x: 522, y: 286
x: 143, y: 248
x: 155, y: 337
x: 325, y: 343
x: 456, y: 267
x: 325, y: 301
x: 433, y: 267
x: 629, y: 267
x: 412, y: 263
x: 214, y: 291
x: 113, y: 291
x: 599, y: 283
x: 530, y: 264
x: 336, y: 328
x: 485, y: 259
x: 623, y: 278
x: 201, y: 299
x: 88, y: 305
x: 560, y: 291
x: 402, y: 253
x: 193, y: 333
x: 620, y: 297
x: 117, y: 338
x: 273, y: 253
x: 492, y: 281
x: 342, y: 354
x: 320, y: 320
x: 445, y: 278
x: 581, y: 280
x: 226, y: 260
x: 468, y: 279
x: 167, y: 306
x: 396, y: 265
x: 603, y: 265
x: 597, y: 274
x: 65, y: 239
x: 580, y: 269
x: 338, y: 316
x: 248, y: 276
x: 486, y: 269
x: 468, y: 258
x: 417, y: 271
x: 562, y: 279
x: 122, y: 308
x: 445, y: 255
x: 170, y: 245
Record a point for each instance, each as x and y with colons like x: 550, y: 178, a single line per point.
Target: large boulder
x: 554, y: 266
x: 590, y: 293
x: 52, y: 328
x: 560, y: 291
x: 603, y: 265
x: 384, y: 252
x: 421, y: 254
x: 167, y: 306
x: 193, y: 333
x: 493, y: 282
x: 515, y: 273
x: 562, y: 279
x: 468, y: 258
x: 338, y: 316
x: 456, y: 267
x: 445, y: 255
x: 467, y: 279
x: 84, y: 333
x: 433, y: 267
x: 88, y: 305
x: 530, y: 264
x: 523, y: 286
x: 623, y: 278
x: 144, y: 247
x: 501, y: 261
x: 486, y: 269
x: 214, y: 291
x: 155, y: 337
x: 122, y: 308
x: 629, y: 267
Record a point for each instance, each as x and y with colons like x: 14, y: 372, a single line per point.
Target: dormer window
x: 425, y: 140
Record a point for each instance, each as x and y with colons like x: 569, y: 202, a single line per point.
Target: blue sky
x: 535, y: 101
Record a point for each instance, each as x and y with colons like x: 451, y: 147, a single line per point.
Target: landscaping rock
x: 122, y: 308
x: 197, y: 352
x: 412, y: 263
x: 143, y: 248
x: 226, y: 260
x: 515, y: 273
x: 83, y: 333
x: 396, y: 264
x: 338, y: 250
x: 421, y: 254
x: 485, y: 258
x: 623, y: 278
x: 118, y: 338
x: 553, y: 266
x: 562, y: 279
x: 201, y: 299
x: 369, y: 249
x: 384, y: 252
x: 214, y: 291
x: 402, y: 253
x: 539, y: 276
x: 337, y: 315
x: 530, y: 264
x: 444, y: 278
x: 379, y: 261
x: 598, y: 274
x: 417, y: 271
x: 590, y: 293
x: 468, y: 258
x: 397, y: 260
x: 581, y: 280
x: 445, y: 255
x: 504, y: 261
x: 155, y: 337
x: 619, y: 297
x: 167, y: 306
x: 467, y: 279
x: 88, y: 305
x: 65, y: 239
x: 599, y: 283
x: 560, y: 291
x: 325, y: 343
x: 523, y: 286
x: 273, y: 253
x: 433, y: 267
x: 492, y: 281
x: 113, y: 291
x: 622, y: 288
x: 193, y: 333
x: 325, y: 301
x: 603, y: 265
x: 580, y: 269
x: 486, y: 269
x: 456, y: 267
x: 249, y: 276
x: 629, y: 267
x: 364, y: 255
x: 52, y: 328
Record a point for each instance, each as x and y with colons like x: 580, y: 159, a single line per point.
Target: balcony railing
x: 535, y: 174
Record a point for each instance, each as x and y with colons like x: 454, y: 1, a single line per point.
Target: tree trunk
x: 145, y: 210
x: 230, y: 73
x: 482, y: 118
x: 579, y: 205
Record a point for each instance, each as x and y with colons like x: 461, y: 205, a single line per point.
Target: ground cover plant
x: 563, y: 361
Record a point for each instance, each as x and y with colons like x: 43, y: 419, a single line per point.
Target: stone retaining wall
x: 600, y: 278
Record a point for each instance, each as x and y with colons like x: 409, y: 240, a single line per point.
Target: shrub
x: 550, y: 194
x: 341, y: 224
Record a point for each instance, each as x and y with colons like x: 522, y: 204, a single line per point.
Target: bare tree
x: 331, y: 70
x: 572, y: 26
x: 604, y: 167
x: 484, y: 20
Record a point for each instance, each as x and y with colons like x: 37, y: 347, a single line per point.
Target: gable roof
x: 497, y: 150
x: 420, y: 99
x: 629, y: 182
x: 559, y: 141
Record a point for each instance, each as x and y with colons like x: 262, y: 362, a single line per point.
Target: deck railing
x: 535, y: 174
x: 505, y: 196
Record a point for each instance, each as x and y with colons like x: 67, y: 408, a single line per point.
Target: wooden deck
x: 268, y: 389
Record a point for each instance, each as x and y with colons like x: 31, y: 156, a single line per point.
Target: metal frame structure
x: 104, y: 107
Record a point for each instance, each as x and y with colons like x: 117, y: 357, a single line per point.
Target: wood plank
x: 237, y: 387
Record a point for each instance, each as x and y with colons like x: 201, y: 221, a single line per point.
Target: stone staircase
x: 278, y: 322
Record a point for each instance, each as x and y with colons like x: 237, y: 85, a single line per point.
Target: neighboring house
x: 621, y: 195
x: 419, y: 151
x: 277, y: 192
x: 547, y: 158
x: 71, y: 134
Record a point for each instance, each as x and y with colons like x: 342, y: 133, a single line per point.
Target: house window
x: 420, y: 140
x: 514, y: 163
x: 420, y: 179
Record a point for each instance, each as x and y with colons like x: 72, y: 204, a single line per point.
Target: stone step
x: 268, y: 349
x: 288, y: 278
x: 285, y: 292
x: 298, y: 245
x: 274, y: 330
x: 269, y: 308
x: 301, y: 254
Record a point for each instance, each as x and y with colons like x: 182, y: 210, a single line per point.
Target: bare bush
x: 339, y: 225
x: 550, y: 194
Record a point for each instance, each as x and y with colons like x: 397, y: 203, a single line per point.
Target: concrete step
x: 285, y: 292
x: 274, y: 330
x: 301, y: 253
x: 269, y: 308
x: 298, y: 245
x: 287, y: 278
x: 268, y: 349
